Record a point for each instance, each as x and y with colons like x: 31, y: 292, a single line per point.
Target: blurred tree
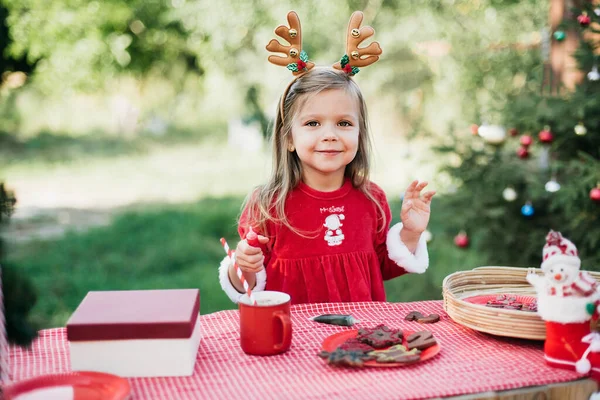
x: 427, y: 44
x: 7, y: 61
x: 510, y: 192
x: 19, y: 293
x: 78, y: 43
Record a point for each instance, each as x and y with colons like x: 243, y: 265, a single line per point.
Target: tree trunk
x: 564, y: 75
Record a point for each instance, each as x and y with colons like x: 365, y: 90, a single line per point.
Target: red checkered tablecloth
x: 469, y: 361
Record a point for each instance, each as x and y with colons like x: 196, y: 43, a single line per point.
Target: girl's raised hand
x: 416, y: 207
x: 249, y: 258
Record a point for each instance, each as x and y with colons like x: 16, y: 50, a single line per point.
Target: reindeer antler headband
x: 296, y: 59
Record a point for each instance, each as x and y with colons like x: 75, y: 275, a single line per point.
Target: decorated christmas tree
x: 537, y: 167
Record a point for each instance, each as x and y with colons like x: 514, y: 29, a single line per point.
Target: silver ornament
x: 580, y: 129
x: 552, y: 186
x: 492, y: 134
x: 509, y: 194
x: 594, y: 75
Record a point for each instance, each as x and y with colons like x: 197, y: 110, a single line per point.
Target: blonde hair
x: 267, y: 202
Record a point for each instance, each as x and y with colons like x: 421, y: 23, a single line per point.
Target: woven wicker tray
x: 496, y: 321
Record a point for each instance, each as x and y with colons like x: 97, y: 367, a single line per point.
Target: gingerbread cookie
x: 420, y: 340
x: 355, y: 345
x: 345, y: 358
x: 396, y: 354
x: 511, y: 303
x: 413, y: 315
x: 380, y: 336
x: 419, y: 317
x: 430, y: 319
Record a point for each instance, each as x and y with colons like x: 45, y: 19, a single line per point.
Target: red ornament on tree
x: 595, y: 194
x: 513, y: 132
x: 526, y: 140
x: 584, y: 20
x: 522, y: 152
x: 474, y: 129
x: 461, y: 240
x: 546, y: 136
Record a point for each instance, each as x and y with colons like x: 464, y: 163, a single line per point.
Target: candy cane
x: 238, y: 271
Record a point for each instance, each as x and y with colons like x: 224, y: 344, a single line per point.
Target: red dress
x: 345, y: 257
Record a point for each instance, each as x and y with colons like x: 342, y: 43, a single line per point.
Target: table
x: 469, y: 362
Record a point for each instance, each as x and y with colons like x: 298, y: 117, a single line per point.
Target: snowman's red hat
x: 559, y: 251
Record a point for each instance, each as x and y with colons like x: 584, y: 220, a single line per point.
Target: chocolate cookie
x: 419, y: 317
x: 413, y: 315
x: 420, y: 340
x: 380, y: 336
x: 355, y: 345
x: 430, y: 319
x: 341, y: 357
x: 396, y: 354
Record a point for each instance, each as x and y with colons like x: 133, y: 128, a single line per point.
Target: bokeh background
x: 131, y: 130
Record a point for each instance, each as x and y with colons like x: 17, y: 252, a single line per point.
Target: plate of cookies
x: 379, y: 347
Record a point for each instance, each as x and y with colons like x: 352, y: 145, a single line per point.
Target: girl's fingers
x: 246, y: 249
x: 250, y: 259
x: 428, y: 195
x: 420, y: 187
x: 251, y: 269
x: 251, y: 266
x: 410, y: 190
x: 262, y: 239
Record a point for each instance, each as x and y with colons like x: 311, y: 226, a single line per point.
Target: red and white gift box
x: 136, y: 333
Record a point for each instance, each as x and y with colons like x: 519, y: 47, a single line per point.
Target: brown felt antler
x: 295, y: 59
x: 356, y: 57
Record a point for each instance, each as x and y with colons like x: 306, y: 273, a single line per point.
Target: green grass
x: 177, y: 246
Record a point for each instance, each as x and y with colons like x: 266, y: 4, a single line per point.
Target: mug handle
x: 287, y: 330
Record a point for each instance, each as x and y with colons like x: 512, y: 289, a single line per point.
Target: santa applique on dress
x: 334, y: 235
x: 566, y: 301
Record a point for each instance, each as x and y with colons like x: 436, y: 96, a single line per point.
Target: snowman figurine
x: 566, y: 298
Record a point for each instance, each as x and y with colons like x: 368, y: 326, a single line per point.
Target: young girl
x: 323, y: 226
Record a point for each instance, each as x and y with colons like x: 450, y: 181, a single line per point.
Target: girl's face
x: 325, y: 134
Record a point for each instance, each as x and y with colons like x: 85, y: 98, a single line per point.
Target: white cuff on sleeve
x: 399, y: 253
x: 230, y: 290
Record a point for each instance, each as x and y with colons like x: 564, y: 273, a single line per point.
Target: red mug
x: 265, y: 328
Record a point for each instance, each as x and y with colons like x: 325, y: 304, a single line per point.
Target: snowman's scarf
x: 583, y: 286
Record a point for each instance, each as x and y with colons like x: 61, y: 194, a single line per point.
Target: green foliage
x: 503, y: 234
x: 19, y: 298
x: 19, y: 295
x: 78, y: 43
